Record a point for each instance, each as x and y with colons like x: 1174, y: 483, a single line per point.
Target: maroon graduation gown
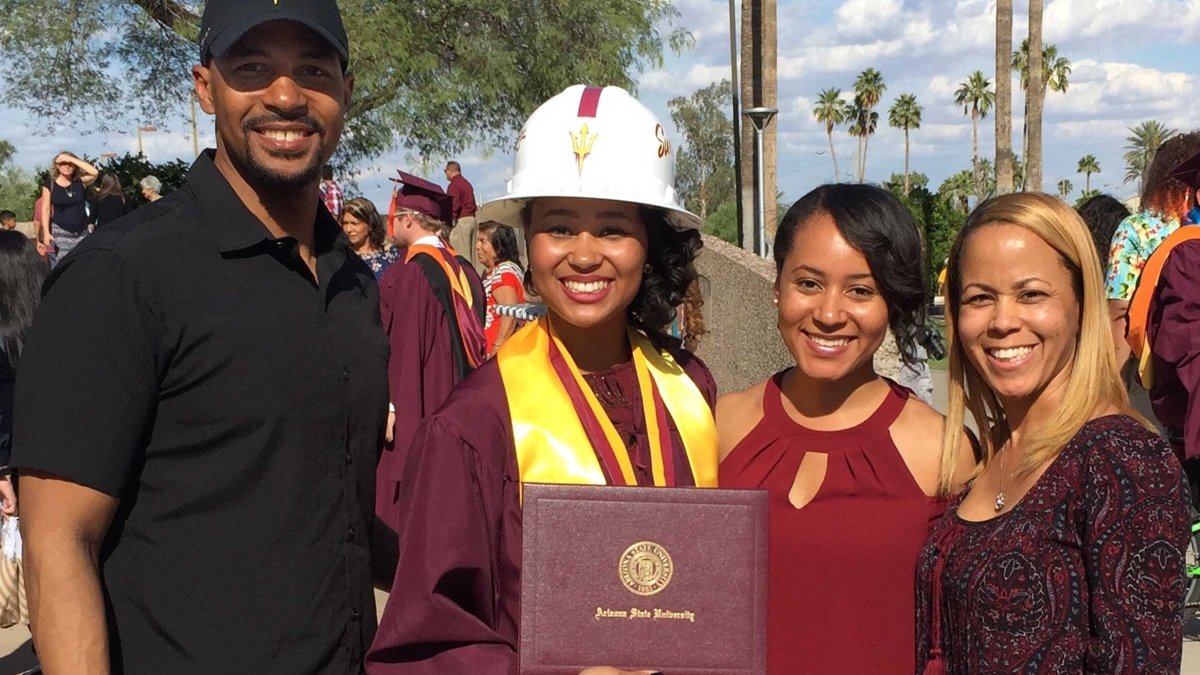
x: 455, y: 603
x: 421, y: 369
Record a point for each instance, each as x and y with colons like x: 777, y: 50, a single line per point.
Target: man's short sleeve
x: 87, y: 383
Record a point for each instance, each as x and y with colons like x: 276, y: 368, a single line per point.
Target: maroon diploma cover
x: 664, y: 579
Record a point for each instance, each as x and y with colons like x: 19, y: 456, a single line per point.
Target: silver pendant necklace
x: 1000, y: 497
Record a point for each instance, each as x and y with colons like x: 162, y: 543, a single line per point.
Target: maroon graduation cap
x: 422, y: 196
x: 1189, y: 172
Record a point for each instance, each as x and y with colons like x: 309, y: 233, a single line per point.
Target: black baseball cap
x: 226, y: 21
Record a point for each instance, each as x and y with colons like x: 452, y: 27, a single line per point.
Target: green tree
x: 1018, y: 172
x: 1141, y: 147
x: 1088, y: 165
x: 1055, y: 71
x: 863, y: 122
x: 868, y: 89
x: 988, y: 171
x: 1084, y: 197
x: 939, y: 221
x: 832, y: 111
x: 905, y: 114
x: 896, y: 184
x: 976, y: 98
x: 722, y: 224
x: 130, y: 169
x: 18, y: 191
x: 447, y: 75
x: 959, y: 189
x: 1065, y: 188
x: 705, y: 161
x: 7, y: 150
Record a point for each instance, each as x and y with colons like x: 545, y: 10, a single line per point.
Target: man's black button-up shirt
x: 189, y: 364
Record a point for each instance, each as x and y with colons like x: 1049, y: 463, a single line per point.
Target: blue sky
x: 1133, y: 60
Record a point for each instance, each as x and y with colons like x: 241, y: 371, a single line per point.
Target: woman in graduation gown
x: 577, y: 397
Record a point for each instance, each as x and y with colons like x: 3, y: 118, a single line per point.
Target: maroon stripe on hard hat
x: 590, y: 101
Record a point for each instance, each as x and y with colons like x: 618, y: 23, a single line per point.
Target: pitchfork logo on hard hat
x: 582, y: 145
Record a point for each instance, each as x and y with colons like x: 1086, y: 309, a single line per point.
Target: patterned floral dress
x: 1135, y: 239
x: 1084, y: 575
x: 380, y: 261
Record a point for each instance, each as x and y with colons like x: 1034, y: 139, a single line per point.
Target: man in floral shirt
x: 1166, y: 201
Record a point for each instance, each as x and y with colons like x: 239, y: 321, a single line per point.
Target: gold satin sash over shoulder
x: 551, y: 441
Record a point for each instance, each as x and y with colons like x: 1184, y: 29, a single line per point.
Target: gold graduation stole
x: 562, y: 433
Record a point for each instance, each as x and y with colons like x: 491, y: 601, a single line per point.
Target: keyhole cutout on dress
x: 809, y: 478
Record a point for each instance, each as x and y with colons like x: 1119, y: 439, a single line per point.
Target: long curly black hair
x: 670, y: 255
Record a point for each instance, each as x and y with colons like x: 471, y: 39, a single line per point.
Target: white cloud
x: 660, y: 81
x: 801, y: 108
x: 1122, y: 90
x: 701, y: 75
x: 865, y: 17
x: 1073, y: 19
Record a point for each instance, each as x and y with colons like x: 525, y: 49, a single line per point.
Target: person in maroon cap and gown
x: 432, y: 306
x: 569, y: 399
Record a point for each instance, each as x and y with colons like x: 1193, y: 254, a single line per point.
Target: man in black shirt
x: 203, y: 395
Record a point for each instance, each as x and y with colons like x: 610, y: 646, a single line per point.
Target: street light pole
x: 760, y: 117
x: 737, y: 120
x: 139, y: 132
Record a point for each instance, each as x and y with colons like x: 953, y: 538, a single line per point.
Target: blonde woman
x: 1064, y: 555
x: 64, y: 205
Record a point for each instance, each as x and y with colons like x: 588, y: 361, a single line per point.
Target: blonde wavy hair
x: 1094, y: 381
x: 54, y: 173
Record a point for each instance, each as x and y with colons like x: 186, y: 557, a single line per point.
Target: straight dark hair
x: 364, y: 210
x: 504, y: 242
x: 875, y: 222
x: 110, y: 185
x: 1103, y: 214
x: 21, y: 275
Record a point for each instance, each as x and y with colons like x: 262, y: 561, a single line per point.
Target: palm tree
x: 869, y: 86
x: 989, y: 176
x: 976, y: 98
x: 1147, y: 138
x: 863, y: 124
x: 905, y: 114
x: 1065, y: 188
x: 1088, y: 165
x: 1004, y: 153
x: 832, y: 111
x: 1056, y: 71
x: 958, y: 189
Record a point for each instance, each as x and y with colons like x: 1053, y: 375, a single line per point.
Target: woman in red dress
x: 1064, y: 556
x: 852, y: 461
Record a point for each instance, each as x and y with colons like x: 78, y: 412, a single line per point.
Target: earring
x: 647, y: 268
x: 775, y: 301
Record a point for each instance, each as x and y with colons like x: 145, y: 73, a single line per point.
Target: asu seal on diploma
x: 645, y: 568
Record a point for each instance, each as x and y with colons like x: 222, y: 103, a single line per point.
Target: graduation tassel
x: 936, y: 665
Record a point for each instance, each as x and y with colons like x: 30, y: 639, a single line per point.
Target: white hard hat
x: 595, y: 143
